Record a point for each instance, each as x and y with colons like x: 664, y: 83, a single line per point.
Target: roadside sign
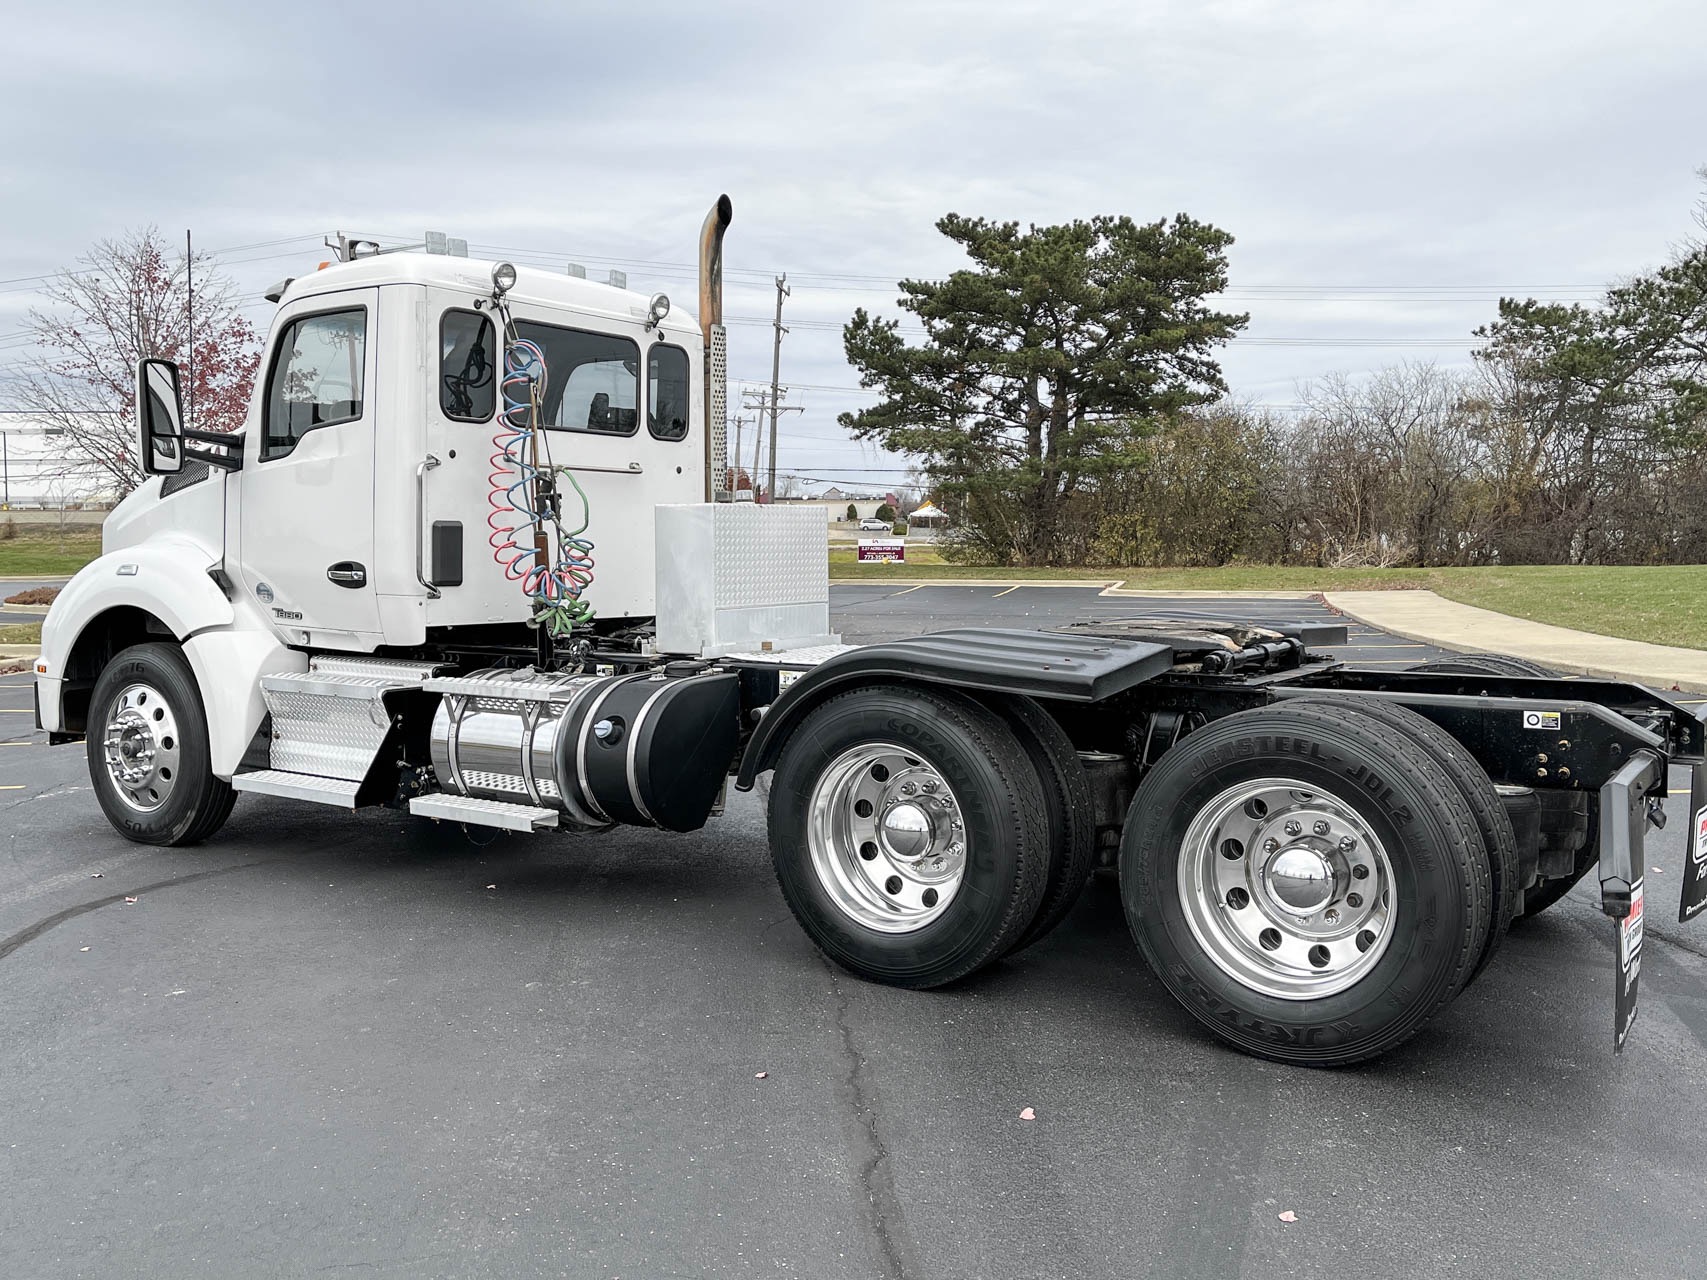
x: 890, y: 550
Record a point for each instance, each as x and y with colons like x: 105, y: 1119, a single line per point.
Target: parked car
x: 874, y: 526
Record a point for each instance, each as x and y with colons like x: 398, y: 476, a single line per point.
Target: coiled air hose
x: 522, y: 493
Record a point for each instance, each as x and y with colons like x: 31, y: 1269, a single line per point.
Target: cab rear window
x: 468, y: 351
x: 592, y: 379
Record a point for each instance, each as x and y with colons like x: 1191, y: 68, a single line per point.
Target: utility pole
x: 760, y: 401
x: 758, y: 441
x: 735, y: 476
x: 776, y: 372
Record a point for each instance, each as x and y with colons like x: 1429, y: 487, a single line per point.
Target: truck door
x: 307, y: 549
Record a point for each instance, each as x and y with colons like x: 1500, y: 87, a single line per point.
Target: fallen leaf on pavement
x: 131, y: 900
x: 491, y: 886
x: 97, y: 875
x: 1028, y: 1114
x: 1288, y: 1216
x: 82, y: 948
x: 760, y: 1075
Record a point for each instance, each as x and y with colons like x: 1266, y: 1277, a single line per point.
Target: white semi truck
x: 472, y: 558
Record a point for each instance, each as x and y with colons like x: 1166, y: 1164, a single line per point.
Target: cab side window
x: 592, y: 379
x: 468, y: 385
x: 315, y: 379
x: 667, y: 392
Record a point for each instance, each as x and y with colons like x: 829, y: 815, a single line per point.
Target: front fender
x: 166, y: 577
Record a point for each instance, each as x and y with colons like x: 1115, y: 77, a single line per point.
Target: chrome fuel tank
x: 648, y: 749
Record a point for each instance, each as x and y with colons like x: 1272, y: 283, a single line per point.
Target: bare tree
x: 127, y: 299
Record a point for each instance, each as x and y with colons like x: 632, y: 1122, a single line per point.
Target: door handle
x: 347, y: 573
x: 427, y: 464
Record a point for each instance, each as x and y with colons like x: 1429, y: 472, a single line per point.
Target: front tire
x: 1309, y: 884
x: 148, y: 751
x: 908, y: 833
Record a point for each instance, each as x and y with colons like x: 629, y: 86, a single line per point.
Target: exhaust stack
x: 717, y: 487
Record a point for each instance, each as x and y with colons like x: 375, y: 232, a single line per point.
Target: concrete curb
x: 1148, y: 593
x: 1427, y: 618
x: 1104, y: 583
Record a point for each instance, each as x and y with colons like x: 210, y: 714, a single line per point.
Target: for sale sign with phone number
x: 890, y: 550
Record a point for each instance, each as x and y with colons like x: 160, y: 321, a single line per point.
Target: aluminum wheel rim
x: 141, y: 747
x: 886, y: 839
x: 1286, y: 888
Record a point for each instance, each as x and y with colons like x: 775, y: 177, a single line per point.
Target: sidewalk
x: 1430, y: 619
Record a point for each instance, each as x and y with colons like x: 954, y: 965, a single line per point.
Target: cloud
x: 1345, y: 145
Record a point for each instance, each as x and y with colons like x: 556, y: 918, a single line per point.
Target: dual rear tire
x: 1310, y: 882
x: 1570, y: 833
x: 919, y: 834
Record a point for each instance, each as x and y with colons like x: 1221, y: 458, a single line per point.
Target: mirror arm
x: 224, y: 461
x: 232, y: 439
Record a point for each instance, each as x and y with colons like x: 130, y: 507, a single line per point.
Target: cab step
x: 299, y: 786
x: 483, y: 813
x: 331, y: 720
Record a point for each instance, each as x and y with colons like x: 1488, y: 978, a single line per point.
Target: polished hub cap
x: 1300, y: 880
x: 1286, y: 888
x: 141, y: 748
x: 886, y: 839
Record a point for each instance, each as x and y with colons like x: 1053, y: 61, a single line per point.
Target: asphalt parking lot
x: 379, y: 1046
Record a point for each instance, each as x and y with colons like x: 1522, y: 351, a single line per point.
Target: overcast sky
x: 1388, y: 168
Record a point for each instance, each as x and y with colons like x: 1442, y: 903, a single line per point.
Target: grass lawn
x: 47, y: 555
x: 1662, y: 604
x: 20, y: 633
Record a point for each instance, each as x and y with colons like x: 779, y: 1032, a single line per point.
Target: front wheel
x: 148, y: 749
x: 1308, y: 882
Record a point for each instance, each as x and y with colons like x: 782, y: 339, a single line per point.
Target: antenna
x: 190, y: 319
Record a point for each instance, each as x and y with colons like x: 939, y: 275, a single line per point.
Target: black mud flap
x: 1628, y: 947
x: 1695, y: 848
x: 1624, y: 818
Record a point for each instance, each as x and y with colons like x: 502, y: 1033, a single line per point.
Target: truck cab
x: 359, y: 516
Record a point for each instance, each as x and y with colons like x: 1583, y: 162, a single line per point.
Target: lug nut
x: 1331, y: 915
x: 1270, y: 845
x: 1293, y: 827
x: 908, y: 788
x: 930, y: 786
x: 1347, y: 844
x: 1321, y: 827
x: 1354, y: 900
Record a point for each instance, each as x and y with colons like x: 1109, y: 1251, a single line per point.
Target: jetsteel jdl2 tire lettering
x: 1498, y: 842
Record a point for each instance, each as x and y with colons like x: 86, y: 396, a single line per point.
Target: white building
x: 34, y: 473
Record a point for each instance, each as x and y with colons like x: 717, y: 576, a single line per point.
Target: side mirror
x: 159, y: 417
